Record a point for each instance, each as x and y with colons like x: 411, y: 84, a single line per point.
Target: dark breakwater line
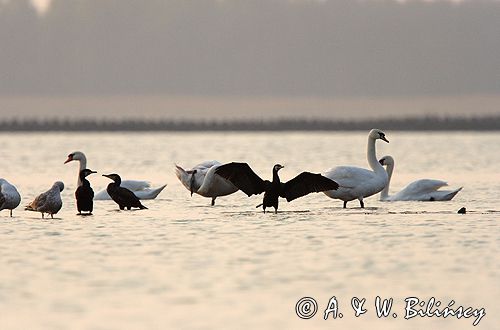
x: 134, y: 125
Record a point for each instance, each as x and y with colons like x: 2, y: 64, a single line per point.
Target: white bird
x: 420, y: 190
x: 48, y: 202
x: 142, y: 189
x: 203, y: 181
x: 355, y: 182
x: 9, y: 196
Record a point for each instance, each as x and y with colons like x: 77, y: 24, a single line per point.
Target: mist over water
x: 242, y: 59
x: 185, y: 264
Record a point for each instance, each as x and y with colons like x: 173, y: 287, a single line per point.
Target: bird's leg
x: 52, y: 216
x: 11, y: 213
x: 345, y: 204
x: 213, y: 200
x: 43, y: 216
x: 275, y: 210
x: 361, y: 203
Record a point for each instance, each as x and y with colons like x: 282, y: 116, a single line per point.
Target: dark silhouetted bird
x: 122, y: 196
x: 242, y: 176
x: 84, y: 193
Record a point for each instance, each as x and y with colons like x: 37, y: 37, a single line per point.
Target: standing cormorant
x: 122, y: 196
x: 142, y: 189
x: 84, y: 193
x: 242, y: 176
x: 48, y: 202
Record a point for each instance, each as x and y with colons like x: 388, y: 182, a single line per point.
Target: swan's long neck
x: 372, y: 157
x: 83, y: 165
x: 384, y: 194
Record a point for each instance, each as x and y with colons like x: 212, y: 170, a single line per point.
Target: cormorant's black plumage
x: 84, y: 193
x: 122, y: 196
x: 243, y: 177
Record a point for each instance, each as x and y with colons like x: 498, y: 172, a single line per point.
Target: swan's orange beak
x: 70, y: 158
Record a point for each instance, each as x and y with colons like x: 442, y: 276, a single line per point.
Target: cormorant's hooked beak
x: 92, y: 172
x: 108, y: 176
x: 70, y: 158
x: 281, y: 167
x: 191, y: 183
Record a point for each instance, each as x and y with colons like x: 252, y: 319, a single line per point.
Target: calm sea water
x: 184, y: 264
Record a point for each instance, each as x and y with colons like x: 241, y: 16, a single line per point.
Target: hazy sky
x: 327, y: 50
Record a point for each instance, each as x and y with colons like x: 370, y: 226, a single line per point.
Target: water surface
x: 184, y: 264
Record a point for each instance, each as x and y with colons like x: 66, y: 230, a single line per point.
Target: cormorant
x: 122, y: 196
x: 48, y: 202
x: 142, y: 189
x: 242, y: 176
x: 84, y: 193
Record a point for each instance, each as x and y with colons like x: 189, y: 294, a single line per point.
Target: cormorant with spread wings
x: 243, y: 177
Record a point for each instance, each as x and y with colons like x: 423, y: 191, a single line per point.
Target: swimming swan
x: 142, y: 189
x: 420, y: 190
x: 203, y: 181
x: 355, y: 182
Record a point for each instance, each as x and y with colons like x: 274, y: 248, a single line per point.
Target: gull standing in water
x: 48, y: 202
x: 9, y: 196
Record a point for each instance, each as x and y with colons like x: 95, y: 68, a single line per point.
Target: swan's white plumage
x: 142, y: 189
x: 420, y: 190
x: 204, y: 180
x: 9, y: 196
x: 358, y: 183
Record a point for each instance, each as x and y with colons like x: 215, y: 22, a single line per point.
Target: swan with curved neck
x: 203, y: 181
x: 142, y: 189
x: 420, y: 190
x: 358, y: 183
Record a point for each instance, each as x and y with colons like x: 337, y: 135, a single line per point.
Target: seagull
x: 48, y: 202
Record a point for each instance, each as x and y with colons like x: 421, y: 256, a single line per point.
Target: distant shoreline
x: 490, y: 123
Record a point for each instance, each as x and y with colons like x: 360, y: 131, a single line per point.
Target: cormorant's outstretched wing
x: 242, y: 176
x: 306, y: 183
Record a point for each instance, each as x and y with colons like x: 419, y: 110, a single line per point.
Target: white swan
x: 9, y: 196
x: 203, y: 181
x: 142, y: 189
x: 420, y: 190
x: 355, y: 182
